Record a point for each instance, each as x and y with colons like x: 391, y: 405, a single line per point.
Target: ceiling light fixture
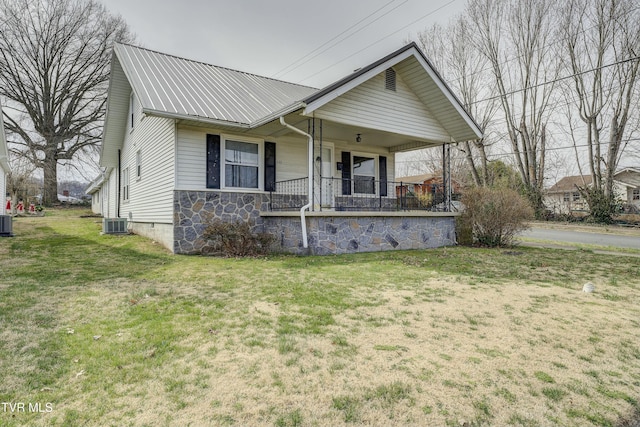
x: 358, y: 138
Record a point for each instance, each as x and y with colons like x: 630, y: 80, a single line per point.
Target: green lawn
x: 113, y: 330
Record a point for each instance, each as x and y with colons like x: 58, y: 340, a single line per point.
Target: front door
x: 327, y: 177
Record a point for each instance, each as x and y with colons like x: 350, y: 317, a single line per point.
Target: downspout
x: 305, y: 242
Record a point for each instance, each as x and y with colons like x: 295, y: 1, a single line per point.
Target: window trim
x: 138, y: 165
x: 223, y: 161
x: 126, y: 188
x: 635, y: 194
x: 131, y: 111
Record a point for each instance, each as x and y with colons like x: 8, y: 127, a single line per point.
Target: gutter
x: 305, y: 241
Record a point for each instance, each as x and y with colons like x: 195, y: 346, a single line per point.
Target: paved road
x: 584, y: 237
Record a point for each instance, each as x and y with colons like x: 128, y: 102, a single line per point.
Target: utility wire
x: 377, y: 41
x: 297, y: 64
x: 508, y: 153
x: 622, y: 61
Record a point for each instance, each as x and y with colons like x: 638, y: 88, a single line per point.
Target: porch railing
x: 360, y: 194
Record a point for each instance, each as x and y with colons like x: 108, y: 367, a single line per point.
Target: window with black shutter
x: 382, y: 171
x: 269, y: 166
x: 213, y: 161
x: 346, y: 173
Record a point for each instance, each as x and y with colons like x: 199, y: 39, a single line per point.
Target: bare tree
x: 515, y: 37
x: 603, y: 48
x: 54, y: 71
x: 466, y: 70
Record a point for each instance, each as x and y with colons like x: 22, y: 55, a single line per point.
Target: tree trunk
x: 50, y: 185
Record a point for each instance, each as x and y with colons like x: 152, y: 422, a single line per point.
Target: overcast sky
x: 266, y: 37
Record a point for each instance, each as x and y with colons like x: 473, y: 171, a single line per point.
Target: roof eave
x: 277, y: 114
x: 204, y: 120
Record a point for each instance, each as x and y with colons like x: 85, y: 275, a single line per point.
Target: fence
x: 359, y: 194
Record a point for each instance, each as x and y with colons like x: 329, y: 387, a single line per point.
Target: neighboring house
x: 626, y: 185
x: 564, y: 197
x: 4, y: 167
x: 99, y: 195
x: 186, y: 142
x: 428, y: 189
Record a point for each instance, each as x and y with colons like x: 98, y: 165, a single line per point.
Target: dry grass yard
x: 111, y: 330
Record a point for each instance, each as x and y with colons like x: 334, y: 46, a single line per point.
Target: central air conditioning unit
x: 5, y: 226
x: 114, y: 226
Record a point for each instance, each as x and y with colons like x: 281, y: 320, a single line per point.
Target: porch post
x: 320, y: 168
x: 446, y: 176
x: 312, y: 167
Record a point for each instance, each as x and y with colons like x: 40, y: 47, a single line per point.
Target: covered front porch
x: 349, y: 200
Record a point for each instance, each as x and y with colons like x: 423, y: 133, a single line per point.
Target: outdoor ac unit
x: 5, y: 226
x: 114, y: 225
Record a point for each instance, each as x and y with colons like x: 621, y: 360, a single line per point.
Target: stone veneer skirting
x: 191, y: 210
x: 328, y: 233
x: 339, y: 234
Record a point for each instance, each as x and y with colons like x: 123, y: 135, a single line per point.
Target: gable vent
x: 390, y: 79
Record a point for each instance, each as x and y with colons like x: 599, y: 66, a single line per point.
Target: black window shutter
x: 213, y: 161
x: 346, y: 173
x: 382, y: 163
x: 269, y: 166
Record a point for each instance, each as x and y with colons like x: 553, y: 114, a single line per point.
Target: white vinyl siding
x: 291, y: 158
x: 372, y: 106
x: 151, y: 198
x: 118, y: 116
x: 111, y: 195
x: 3, y: 190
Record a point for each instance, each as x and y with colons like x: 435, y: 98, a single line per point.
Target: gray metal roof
x: 182, y: 87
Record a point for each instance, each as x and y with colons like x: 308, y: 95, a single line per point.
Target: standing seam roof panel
x: 166, y: 89
x: 206, y: 109
x: 177, y: 86
x: 153, y: 93
x: 181, y: 86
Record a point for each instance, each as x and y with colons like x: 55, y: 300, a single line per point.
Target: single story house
x: 564, y: 197
x: 626, y: 185
x: 4, y: 167
x: 186, y: 142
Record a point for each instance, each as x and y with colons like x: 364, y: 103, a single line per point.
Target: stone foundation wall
x: 193, y: 208
x: 338, y: 235
x: 326, y: 234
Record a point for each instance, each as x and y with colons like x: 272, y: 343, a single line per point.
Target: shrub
x: 234, y: 239
x: 494, y: 215
x: 602, y: 207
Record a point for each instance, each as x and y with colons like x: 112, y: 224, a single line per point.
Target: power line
x: 506, y: 61
x: 622, y: 61
x: 511, y: 153
x: 377, y: 41
x: 286, y: 70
